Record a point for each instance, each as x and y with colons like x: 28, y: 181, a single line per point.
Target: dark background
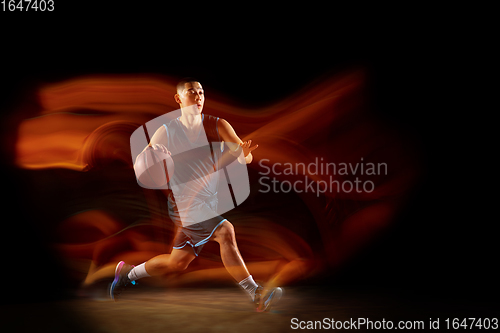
x: 443, y: 244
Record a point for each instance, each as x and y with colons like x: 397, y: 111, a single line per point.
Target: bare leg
x: 230, y: 255
x: 176, y: 261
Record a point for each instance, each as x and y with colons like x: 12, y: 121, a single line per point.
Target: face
x: 192, y: 94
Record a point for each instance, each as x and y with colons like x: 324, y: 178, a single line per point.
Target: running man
x: 199, y: 198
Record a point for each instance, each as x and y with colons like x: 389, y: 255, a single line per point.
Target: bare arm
x: 159, y: 138
x: 229, y: 136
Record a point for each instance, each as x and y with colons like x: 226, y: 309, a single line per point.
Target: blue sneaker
x: 121, y: 279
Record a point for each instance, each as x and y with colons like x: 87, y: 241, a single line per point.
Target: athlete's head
x: 190, y: 92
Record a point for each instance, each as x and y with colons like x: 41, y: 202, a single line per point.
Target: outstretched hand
x: 246, y: 146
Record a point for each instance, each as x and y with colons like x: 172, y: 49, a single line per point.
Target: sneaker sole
x: 118, y: 270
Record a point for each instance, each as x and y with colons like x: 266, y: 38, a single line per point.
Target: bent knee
x: 180, y: 265
x: 225, y: 233
x: 177, y: 265
x: 172, y: 265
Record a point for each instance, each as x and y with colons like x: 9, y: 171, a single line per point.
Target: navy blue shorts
x: 198, y: 234
x: 195, y: 235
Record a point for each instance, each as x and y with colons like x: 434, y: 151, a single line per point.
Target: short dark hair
x: 182, y: 82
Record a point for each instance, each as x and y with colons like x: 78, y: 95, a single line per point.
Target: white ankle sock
x: 249, y: 285
x: 138, y: 272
